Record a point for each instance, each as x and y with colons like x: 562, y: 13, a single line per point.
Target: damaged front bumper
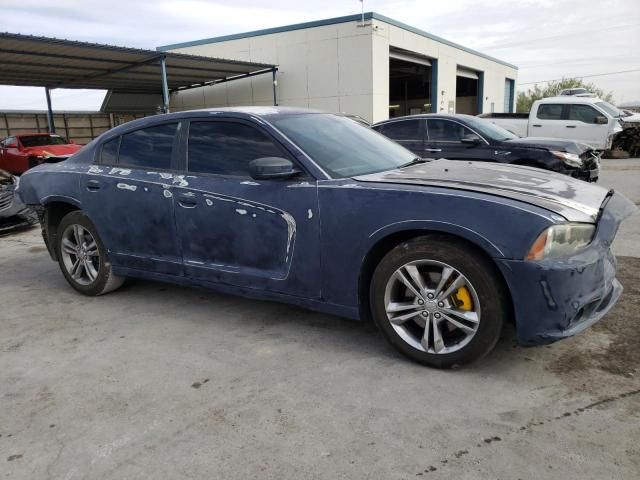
x: 557, y: 298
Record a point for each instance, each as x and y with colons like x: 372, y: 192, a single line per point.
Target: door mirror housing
x: 271, y: 168
x: 602, y: 120
x: 11, y: 145
x: 471, y: 139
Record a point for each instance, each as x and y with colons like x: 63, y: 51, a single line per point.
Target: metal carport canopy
x: 55, y: 63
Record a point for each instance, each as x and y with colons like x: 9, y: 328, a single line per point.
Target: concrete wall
x: 327, y: 67
x: 339, y: 68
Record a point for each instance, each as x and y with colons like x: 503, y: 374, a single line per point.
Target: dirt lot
x: 157, y: 381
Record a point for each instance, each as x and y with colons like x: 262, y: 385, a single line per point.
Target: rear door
x: 235, y: 230
x: 128, y: 194
x: 408, y: 132
x: 548, y: 121
x: 444, y: 140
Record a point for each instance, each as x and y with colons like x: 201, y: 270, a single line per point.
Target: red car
x: 19, y: 153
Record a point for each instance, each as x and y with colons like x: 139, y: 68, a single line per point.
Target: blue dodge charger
x: 316, y: 210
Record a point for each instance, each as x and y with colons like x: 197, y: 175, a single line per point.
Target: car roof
x: 570, y: 99
x: 452, y: 116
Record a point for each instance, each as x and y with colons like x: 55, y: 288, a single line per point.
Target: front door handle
x: 93, y: 185
x: 433, y: 150
x: 571, y: 126
x: 537, y: 125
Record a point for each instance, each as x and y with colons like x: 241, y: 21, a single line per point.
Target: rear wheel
x: 82, y: 257
x: 438, y: 301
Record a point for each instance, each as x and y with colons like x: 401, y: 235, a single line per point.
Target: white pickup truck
x: 587, y: 120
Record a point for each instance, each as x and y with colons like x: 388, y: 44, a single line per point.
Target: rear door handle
x: 93, y: 185
x: 187, y: 203
x: 570, y: 126
x: 432, y: 149
x: 537, y: 125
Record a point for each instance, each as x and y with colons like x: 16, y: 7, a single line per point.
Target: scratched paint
x: 167, y: 194
x: 208, y: 202
x: 120, y: 171
x: 95, y: 169
x: 309, y: 214
x: 241, y: 211
x: 126, y: 186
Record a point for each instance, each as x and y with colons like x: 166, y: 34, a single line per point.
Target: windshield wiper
x: 415, y: 161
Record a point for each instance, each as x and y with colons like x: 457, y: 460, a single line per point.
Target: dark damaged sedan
x: 463, y: 137
x: 316, y: 210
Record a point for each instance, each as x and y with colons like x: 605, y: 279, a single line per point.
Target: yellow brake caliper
x: 464, y: 299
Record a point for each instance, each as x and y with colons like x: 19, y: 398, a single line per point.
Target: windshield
x: 42, y: 140
x: 610, y: 109
x: 490, y: 130
x: 342, y: 147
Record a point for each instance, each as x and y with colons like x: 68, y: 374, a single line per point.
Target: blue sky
x: 547, y: 39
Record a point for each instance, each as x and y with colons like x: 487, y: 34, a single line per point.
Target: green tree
x: 552, y: 89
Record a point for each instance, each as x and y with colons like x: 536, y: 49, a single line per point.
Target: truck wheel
x: 82, y: 257
x: 438, y: 301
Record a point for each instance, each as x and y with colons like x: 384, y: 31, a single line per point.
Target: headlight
x: 570, y: 159
x: 560, y: 240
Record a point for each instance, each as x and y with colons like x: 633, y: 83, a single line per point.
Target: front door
x: 128, y: 196
x: 581, y: 125
x: 261, y: 234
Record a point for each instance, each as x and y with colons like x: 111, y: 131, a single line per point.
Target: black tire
x: 105, y: 281
x: 471, y: 263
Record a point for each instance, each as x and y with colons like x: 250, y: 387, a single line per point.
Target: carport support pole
x: 165, y: 86
x: 52, y: 127
x: 275, y: 84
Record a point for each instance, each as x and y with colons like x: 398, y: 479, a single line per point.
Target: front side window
x: 446, y: 131
x: 402, y: 130
x: 583, y: 113
x: 227, y: 148
x: 552, y: 111
x: 148, y: 147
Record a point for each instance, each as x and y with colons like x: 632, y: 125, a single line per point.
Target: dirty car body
x: 314, y: 237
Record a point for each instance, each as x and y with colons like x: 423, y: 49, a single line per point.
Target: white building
x: 377, y: 69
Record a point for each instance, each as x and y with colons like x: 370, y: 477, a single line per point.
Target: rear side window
x: 109, y: 151
x: 226, y: 148
x: 446, y: 131
x: 402, y: 130
x: 148, y: 147
x: 583, y: 113
x: 550, y: 111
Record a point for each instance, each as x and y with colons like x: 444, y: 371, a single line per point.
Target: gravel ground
x: 158, y: 381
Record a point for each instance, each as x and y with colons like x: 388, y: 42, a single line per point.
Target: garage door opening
x: 410, y: 85
x: 468, y: 91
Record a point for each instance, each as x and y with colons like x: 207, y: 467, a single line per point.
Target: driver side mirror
x: 271, y: 168
x: 11, y: 145
x: 471, y: 139
x: 601, y: 120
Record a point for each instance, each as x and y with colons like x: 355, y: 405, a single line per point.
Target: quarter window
x: 227, y: 148
x: 550, y: 111
x: 402, y: 130
x: 583, y: 113
x: 446, y: 131
x: 109, y: 151
x: 148, y: 147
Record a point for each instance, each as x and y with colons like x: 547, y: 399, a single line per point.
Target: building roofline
x: 331, y: 21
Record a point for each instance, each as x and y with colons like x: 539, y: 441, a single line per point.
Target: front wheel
x: 438, y: 301
x: 82, y: 257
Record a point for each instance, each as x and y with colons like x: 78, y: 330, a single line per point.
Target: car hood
x: 562, y: 145
x: 575, y: 200
x: 53, y: 150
